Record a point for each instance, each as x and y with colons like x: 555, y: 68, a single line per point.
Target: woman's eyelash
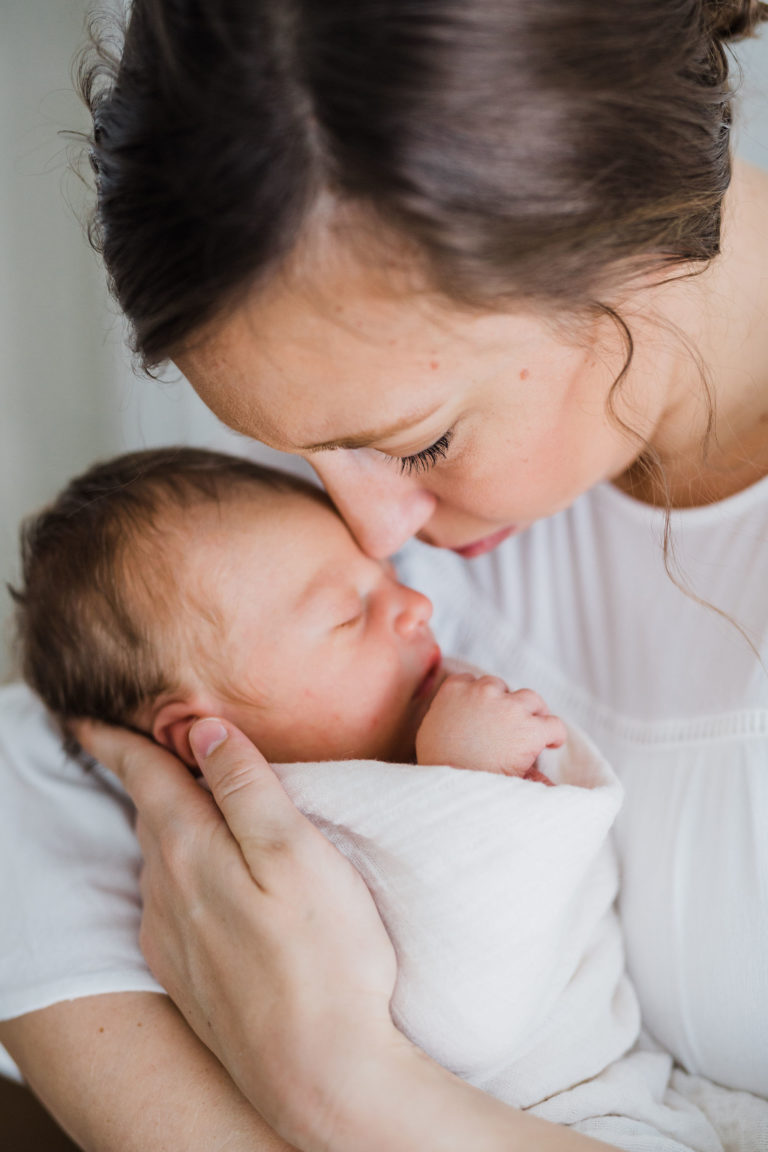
x: 427, y: 458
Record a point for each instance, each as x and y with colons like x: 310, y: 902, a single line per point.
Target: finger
x: 484, y: 685
x: 244, y: 786
x: 555, y: 732
x: 531, y: 701
x: 538, y: 777
x: 451, y: 683
x: 157, y: 782
x: 459, y: 678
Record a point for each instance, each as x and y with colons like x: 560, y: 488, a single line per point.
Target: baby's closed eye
x: 351, y: 621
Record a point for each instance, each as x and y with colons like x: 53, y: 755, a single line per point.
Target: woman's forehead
x: 320, y: 362
x: 290, y: 371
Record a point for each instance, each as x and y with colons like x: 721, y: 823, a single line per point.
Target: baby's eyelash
x: 351, y: 621
x: 427, y: 458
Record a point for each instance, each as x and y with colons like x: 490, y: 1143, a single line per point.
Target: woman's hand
x: 270, y: 944
x: 263, y: 934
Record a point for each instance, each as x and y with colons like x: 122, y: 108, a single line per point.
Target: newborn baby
x: 168, y: 585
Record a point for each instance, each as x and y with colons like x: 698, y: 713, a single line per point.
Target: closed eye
x: 350, y: 623
x: 427, y: 458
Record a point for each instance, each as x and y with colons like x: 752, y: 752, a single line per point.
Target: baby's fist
x: 477, y: 723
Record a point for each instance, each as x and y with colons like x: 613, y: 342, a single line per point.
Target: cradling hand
x: 263, y: 934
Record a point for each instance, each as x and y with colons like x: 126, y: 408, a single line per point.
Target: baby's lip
x: 429, y: 678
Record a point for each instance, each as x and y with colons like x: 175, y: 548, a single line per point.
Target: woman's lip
x: 487, y: 544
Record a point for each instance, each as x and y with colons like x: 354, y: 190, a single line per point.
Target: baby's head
x: 176, y: 583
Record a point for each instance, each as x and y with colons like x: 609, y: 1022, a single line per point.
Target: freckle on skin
x: 101, y: 1029
x: 524, y: 373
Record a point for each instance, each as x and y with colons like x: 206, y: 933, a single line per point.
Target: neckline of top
x: 698, y: 515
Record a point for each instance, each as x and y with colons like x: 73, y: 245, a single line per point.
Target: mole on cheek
x: 524, y: 373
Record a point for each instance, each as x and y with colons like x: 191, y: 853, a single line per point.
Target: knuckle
x: 278, y: 842
x: 270, y: 844
x: 235, y: 778
x: 530, y: 699
x: 492, y: 685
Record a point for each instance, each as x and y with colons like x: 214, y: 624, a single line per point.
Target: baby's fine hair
x: 95, y: 584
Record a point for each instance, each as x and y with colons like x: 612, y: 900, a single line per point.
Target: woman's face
x: 422, y: 419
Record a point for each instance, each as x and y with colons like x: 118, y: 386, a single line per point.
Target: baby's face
x: 327, y: 655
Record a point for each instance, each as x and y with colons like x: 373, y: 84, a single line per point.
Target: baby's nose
x: 414, y: 612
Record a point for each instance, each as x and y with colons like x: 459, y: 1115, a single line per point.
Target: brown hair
x: 525, y: 150
x: 92, y: 563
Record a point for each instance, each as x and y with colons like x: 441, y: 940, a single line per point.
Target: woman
x: 484, y: 240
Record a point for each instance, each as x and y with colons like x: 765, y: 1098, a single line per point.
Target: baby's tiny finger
x: 555, y: 731
x: 493, y: 684
x: 531, y: 701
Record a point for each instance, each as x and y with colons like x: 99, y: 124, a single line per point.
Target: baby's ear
x: 172, y: 721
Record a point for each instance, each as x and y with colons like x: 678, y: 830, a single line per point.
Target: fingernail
x: 205, y: 737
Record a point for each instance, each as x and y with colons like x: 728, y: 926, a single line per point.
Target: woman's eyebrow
x: 370, y: 436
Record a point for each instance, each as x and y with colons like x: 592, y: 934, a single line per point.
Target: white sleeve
x: 69, y: 864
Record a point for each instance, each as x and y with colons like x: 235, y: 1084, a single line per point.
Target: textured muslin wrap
x: 498, y: 893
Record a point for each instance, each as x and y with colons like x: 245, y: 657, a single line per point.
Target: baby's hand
x: 481, y: 725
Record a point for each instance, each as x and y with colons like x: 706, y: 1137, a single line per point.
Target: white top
x: 498, y: 896
x: 581, y: 609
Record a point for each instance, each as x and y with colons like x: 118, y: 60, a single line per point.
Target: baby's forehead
x: 262, y: 505
x: 294, y: 532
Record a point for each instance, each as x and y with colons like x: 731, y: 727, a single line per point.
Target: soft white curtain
x: 67, y: 393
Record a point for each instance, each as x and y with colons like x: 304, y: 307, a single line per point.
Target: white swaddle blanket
x: 497, y: 893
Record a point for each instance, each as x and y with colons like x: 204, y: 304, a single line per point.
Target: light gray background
x: 67, y: 392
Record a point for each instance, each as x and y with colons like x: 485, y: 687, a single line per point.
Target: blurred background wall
x: 67, y: 391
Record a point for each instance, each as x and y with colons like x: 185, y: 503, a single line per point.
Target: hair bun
x: 735, y: 19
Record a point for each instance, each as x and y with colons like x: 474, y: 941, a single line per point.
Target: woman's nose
x: 382, y: 509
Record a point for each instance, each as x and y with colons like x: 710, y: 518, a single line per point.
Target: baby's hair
x: 96, y: 586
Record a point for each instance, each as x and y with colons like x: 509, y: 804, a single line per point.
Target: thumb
x: 157, y: 782
x: 248, y: 793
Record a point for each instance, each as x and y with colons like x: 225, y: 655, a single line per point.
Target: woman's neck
x: 706, y: 345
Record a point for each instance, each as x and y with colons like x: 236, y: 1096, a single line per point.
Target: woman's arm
x: 270, y: 944
x: 124, y: 1073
